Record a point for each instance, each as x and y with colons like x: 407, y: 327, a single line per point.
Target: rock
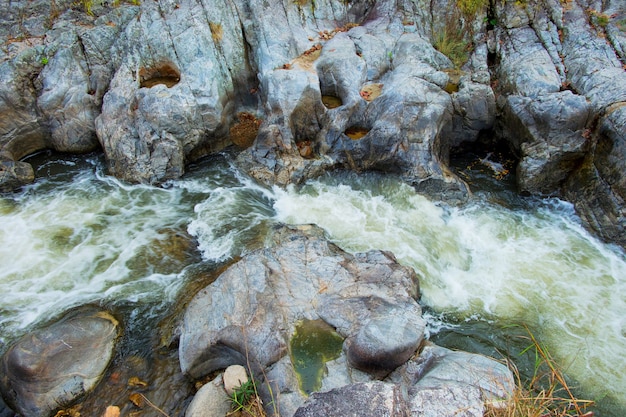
x: 211, y: 400
x: 13, y: 175
x: 248, y: 315
x: 250, y: 312
x: 50, y: 367
x: 549, y: 133
x: 370, y: 399
x: 441, y: 382
x: 384, y: 343
x: 598, y: 187
x: 234, y: 377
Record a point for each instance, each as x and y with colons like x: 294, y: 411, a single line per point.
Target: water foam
x: 69, y: 243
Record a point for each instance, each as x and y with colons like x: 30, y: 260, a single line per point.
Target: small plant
x: 470, y: 8
x: 599, y: 19
x: 88, y: 4
x: 242, y: 395
x: 452, y: 44
x: 245, y: 401
x: 44, y: 60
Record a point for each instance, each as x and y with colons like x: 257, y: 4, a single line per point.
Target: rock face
x: 561, y: 86
x: 248, y: 315
x: 51, y: 367
x: 158, y: 85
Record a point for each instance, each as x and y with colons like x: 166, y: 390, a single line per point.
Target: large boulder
x: 249, y: 315
x: 51, y: 367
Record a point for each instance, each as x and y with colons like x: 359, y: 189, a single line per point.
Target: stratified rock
x: 49, y: 368
x: 371, y: 399
x: 549, y: 132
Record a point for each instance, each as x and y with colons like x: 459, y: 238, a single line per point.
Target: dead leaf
x: 136, y: 382
x: 112, y: 411
x: 137, y: 399
x: 370, y: 91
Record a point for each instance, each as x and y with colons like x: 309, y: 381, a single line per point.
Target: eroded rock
x: 50, y: 367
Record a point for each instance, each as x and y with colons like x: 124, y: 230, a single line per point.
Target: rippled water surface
x: 79, y: 236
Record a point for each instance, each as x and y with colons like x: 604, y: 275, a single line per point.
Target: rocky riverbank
x: 304, y: 87
x: 160, y: 84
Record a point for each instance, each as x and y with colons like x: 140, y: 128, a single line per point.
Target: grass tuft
x: 546, y: 394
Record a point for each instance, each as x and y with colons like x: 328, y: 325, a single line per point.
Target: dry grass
x: 217, y: 31
x: 547, y: 394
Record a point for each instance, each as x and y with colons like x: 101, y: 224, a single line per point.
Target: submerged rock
x: 51, y: 367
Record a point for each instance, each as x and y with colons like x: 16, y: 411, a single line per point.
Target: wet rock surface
x: 51, y: 367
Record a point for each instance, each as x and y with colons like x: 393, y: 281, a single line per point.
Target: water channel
x: 78, y: 236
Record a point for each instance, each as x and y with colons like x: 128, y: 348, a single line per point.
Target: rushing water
x: 78, y: 236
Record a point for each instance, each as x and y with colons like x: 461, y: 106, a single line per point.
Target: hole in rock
x: 164, y: 73
x: 486, y: 163
x: 454, y: 79
x: 331, y: 102
x: 356, y: 132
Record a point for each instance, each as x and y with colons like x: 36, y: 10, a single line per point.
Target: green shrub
x: 88, y: 4
x: 470, y: 8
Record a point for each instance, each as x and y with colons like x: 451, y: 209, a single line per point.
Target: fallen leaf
x: 136, y: 382
x: 112, y: 411
x: 137, y: 399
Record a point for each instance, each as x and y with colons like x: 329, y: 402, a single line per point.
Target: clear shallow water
x: 79, y: 236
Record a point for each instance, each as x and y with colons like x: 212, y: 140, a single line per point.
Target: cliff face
x: 316, y: 85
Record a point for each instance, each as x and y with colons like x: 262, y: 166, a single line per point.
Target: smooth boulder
x: 50, y: 367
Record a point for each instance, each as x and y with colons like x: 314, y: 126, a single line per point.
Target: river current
x: 78, y: 236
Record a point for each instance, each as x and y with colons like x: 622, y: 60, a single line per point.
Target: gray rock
x: 370, y: 399
x: 49, y: 368
x: 549, y: 134
x: 251, y: 310
x: 211, y: 400
x: 598, y: 187
x: 441, y: 382
x: 384, y: 343
x: 248, y: 315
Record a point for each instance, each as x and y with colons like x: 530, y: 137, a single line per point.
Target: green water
x: 313, y: 344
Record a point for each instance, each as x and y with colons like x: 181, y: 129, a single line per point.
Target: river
x: 78, y: 236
